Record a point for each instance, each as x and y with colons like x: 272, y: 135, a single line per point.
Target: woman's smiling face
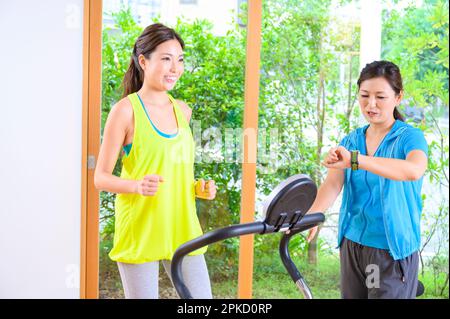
x: 377, y: 100
x: 164, y: 66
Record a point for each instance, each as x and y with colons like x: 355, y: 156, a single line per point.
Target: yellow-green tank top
x: 150, y: 228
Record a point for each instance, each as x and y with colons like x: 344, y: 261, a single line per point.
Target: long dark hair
x: 390, y: 72
x: 146, y: 43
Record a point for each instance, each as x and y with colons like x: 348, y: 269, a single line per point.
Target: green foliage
x: 435, y: 279
x: 302, y: 51
x: 306, y: 99
x: 417, y: 41
x: 116, y: 54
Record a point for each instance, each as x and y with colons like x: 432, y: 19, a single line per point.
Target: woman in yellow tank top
x: 155, y: 204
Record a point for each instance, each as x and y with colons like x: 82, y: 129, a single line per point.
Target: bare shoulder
x: 121, y: 115
x: 186, y: 109
x: 184, y: 106
x: 122, y: 111
x: 123, y: 108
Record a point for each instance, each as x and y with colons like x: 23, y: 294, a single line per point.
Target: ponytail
x: 398, y: 115
x: 132, y: 81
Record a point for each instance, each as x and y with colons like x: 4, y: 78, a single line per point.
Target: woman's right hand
x: 312, y: 233
x: 332, y: 156
x: 148, y: 186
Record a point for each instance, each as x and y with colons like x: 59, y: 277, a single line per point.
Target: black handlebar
x: 308, y: 221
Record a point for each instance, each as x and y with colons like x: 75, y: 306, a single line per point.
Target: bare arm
x: 326, y: 195
x: 113, y: 137
x: 187, y: 111
x: 328, y: 190
x: 410, y: 169
x: 203, y: 189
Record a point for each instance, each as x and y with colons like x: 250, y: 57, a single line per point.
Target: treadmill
x: 284, y: 211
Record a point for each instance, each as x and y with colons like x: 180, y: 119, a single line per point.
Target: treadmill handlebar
x: 308, y: 221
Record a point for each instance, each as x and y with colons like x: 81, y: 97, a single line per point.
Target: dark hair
x: 146, y: 43
x: 390, y: 72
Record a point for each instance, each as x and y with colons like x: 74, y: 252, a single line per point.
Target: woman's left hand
x: 339, y: 158
x: 205, y: 189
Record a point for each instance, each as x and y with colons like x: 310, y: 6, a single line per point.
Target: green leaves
x: 309, y: 67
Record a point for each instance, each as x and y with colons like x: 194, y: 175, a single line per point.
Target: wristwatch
x: 354, y: 160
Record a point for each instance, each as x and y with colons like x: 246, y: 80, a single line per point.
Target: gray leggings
x: 140, y: 281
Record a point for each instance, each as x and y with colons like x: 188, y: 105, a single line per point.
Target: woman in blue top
x: 381, y: 167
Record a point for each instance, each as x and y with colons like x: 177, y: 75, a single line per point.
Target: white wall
x: 40, y: 147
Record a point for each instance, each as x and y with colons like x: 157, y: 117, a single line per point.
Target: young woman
x: 381, y: 167
x: 155, y: 206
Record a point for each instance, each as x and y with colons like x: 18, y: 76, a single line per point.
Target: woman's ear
x: 399, y: 98
x: 142, y: 61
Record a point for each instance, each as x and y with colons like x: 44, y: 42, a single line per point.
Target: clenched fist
x: 205, y: 189
x: 337, y: 157
x: 148, y: 186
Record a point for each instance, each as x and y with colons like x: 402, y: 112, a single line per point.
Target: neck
x: 381, y: 128
x: 152, y: 96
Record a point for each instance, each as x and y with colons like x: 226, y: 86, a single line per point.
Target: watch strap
x: 354, y: 160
